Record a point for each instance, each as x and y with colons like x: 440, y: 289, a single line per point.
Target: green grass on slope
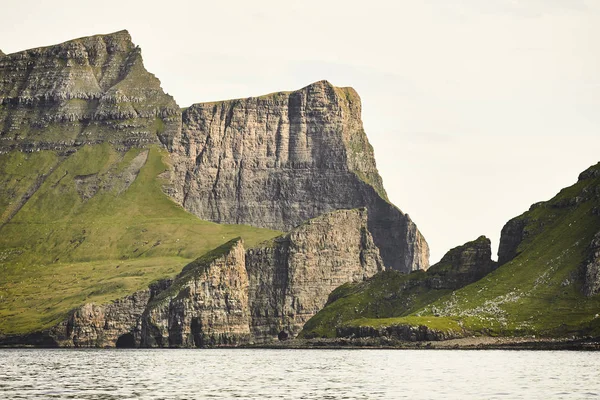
x: 442, y: 324
x: 84, y: 236
x: 538, y: 292
x: 387, y: 294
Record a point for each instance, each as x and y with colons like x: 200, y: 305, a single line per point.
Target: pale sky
x: 476, y: 109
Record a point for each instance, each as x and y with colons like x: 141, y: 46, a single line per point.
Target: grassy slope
x: 539, y: 292
x: 61, y: 249
x: 387, y: 294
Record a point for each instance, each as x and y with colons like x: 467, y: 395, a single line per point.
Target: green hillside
x: 538, y: 292
x: 91, y: 227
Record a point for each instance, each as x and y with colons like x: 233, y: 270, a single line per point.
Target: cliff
x: 85, y: 91
x: 280, y: 159
x: 207, y: 304
x: 547, y: 284
x: 291, y: 279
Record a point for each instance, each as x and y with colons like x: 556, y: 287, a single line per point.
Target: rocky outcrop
x: 84, y: 91
x: 510, y: 239
x: 277, y: 160
x: 207, y: 304
x: 462, y: 265
x: 403, y: 332
x: 292, y: 277
x: 114, y: 324
x: 591, y: 283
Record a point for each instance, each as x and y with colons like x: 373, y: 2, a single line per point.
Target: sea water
x: 297, y: 374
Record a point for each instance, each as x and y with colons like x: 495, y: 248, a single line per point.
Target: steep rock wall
x: 291, y: 279
x: 207, y: 305
x: 277, y: 160
x: 94, y: 325
x: 88, y: 90
x: 462, y: 265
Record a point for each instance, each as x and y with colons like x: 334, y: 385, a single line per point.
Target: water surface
x: 297, y: 374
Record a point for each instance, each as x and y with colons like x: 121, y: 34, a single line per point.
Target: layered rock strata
x: 277, y: 160
x: 89, y: 90
x: 272, y: 161
x: 207, y: 304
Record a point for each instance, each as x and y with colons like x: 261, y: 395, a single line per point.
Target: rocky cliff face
x: 277, y: 160
x: 89, y: 90
x: 291, y: 279
x: 207, y: 304
x: 510, y: 238
x: 462, y: 265
x: 94, y: 325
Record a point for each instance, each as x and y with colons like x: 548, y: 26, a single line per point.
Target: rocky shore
x: 467, y: 343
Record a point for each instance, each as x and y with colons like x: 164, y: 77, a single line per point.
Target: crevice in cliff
x: 215, y: 192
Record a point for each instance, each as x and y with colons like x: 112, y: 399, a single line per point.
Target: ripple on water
x: 296, y: 374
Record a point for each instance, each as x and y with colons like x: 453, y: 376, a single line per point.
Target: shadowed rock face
x: 462, y: 265
x: 591, y: 285
x: 277, y: 160
x: 510, y: 238
x: 291, y: 279
x: 89, y: 90
x: 207, y: 305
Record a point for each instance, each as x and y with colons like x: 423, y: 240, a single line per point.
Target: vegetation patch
x: 61, y: 250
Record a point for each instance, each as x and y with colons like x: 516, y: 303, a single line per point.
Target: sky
x: 475, y: 109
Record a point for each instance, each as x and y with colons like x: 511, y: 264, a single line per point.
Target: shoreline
x: 385, y: 343
x: 467, y: 343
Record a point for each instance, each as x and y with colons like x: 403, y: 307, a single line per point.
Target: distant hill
x: 547, y: 284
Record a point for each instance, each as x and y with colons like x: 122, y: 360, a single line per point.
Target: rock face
x: 277, y: 160
x: 106, y: 325
x: 207, y: 304
x: 510, y: 238
x: 591, y: 285
x: 462, y: 265
x: 291, y: 279
x: 89, y: 90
